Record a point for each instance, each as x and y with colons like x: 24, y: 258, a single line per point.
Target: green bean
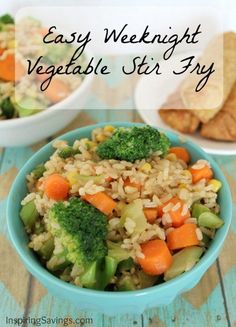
x: 198, y: 209
x: 46, y: 249
x: 210, y: 220
x: 206, y: 240
x: 67, y: 152
x: 29, y: 214
x: 125, y: 265
x: 38, y: 171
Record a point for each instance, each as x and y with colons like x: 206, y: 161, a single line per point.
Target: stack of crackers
x: 218, y: 123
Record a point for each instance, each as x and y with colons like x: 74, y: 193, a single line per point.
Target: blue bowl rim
x: 36, y: 268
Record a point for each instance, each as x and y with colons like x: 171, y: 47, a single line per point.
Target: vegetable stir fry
x: 121, y: 211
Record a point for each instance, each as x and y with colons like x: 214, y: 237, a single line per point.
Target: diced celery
x: 106, y: 272
x: 147, y: 280
x: 210, y: 220
x: 134, y: 211
x: 183, y: 261
x: 75, y: 178
x: 88, y: 278
x: 198, y: 209
x: 99, y: 273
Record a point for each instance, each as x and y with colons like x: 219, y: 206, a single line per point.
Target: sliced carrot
x: 181, y: 153
x: 177, y: 216
x: 56, y: 187
x: 157, y: 257
x: 127, y: 182
x: 1, y: 51
x: 109, y: 179
x: 150, y: 214
x: 10, y: 70
x: 101, y: 201
x: 198, y: 174
x: 57, y: 89
x: 173, y: 200
x: 182, y: 237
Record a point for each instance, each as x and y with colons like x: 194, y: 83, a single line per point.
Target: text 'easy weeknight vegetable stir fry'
x: 120, y: 211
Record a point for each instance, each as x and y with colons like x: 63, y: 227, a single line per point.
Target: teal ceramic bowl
x: 113, y: 303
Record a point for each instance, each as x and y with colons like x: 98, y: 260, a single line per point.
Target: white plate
x: 147, y: 102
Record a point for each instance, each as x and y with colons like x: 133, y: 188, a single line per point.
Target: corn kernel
x: 91, y: 145
x: 101, y: 137
x: 187, y: 173
x: 120, y: 205
x: 72, y: 177
x: 11, y: 44
x: 171, y: 157
x: 182, y: 185
x: 216, y: 184
x: 109, y: 128
x: 146, y: 167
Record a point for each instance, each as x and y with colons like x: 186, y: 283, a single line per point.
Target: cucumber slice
x: 183, y: 261
x: 210, y: 220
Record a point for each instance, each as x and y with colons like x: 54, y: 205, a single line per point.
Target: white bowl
x: 28, y: 130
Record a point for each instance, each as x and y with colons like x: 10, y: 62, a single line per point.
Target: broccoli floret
x: 164, y: 144
x: 133, y: 143
x: 6, y: 19
x: 81, y: 229
x: 7, y: 108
